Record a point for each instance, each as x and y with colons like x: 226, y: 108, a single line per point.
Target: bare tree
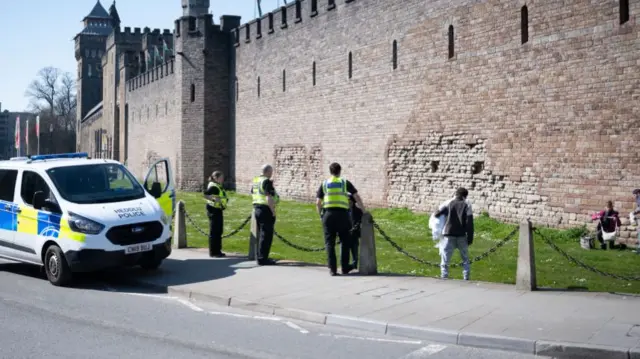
x: 43, y: 90
x: 52, y: 95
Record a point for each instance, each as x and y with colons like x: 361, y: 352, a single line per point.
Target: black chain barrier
x: 298, y: 247
x: 580, y: 263
x: 206, y: 234
x: 437, y: 265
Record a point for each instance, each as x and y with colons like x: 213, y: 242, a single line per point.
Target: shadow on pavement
x: 174, y: 272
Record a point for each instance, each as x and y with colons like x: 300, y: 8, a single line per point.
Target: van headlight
x: 84, y: 225
x: 165, y: 219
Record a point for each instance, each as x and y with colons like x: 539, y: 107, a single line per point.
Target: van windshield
x: 96, y: 183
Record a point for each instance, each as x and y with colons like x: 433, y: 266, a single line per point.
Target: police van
x: 70, y: 213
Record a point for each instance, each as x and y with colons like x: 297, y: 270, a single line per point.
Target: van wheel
x: 56, y: 267
x: 150, y: 264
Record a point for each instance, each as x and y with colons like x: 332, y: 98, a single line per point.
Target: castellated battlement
x: 157, y: 73
x: 284, y: 17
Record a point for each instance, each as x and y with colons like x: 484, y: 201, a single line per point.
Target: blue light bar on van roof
x: 59, y: 156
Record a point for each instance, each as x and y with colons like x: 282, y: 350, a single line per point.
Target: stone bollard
x: 179, y: 227
x: 368, y: 264
x: 526, y: 274
x: 253, y: 238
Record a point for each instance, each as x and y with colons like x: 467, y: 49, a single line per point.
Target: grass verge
x: 299, y: 223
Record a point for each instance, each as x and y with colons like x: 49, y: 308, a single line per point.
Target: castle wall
x: 546, y: 129
x: 153, y: 119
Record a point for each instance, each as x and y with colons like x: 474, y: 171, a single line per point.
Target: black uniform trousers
x: 355, y: 243
x: 266, y: 222
x: 336, y: 221
x: 216, y: 226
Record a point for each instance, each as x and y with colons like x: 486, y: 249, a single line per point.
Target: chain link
x: 437, y: 265
x: 298, y: 247
x: 580, y: 263
x: 234, y: 232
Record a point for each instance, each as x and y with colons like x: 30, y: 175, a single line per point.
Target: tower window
x: 270, y: 22
x: 624, y: 11
x: 193, y: 92
x: 314, y: 7
x: 258, y: 86
x: 350, y: 65
x: 192, y: 23
x: 451, y: 43
x: 524, y: 24
x: 394, y: 57
x: 284, y: 80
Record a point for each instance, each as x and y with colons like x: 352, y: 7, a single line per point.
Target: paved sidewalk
x: 587, y: 325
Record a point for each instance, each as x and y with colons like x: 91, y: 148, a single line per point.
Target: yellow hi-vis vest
x: 258, y: 194
x: 335, y: 193
x: 222, y: 196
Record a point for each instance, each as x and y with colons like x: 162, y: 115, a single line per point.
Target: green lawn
x: 299, y: 223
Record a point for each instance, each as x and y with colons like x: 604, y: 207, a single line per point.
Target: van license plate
x: 137, y: 248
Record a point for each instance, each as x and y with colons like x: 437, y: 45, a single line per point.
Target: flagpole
x: 38, y: 133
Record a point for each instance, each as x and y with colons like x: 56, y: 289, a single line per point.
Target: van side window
x: 8, y: 184
x: 31, y: 183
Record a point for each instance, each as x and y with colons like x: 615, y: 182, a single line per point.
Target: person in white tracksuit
x: 457, y: 232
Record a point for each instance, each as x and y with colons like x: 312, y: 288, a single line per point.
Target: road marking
x: 188, y: 304
x: 340, y: 336
x: 425, y: 351
x: 296, y: 327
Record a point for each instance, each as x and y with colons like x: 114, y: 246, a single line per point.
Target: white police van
x: 70, y: 213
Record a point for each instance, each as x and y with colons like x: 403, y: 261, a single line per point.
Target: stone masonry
x: 534, y: 109
x: 532, y: 105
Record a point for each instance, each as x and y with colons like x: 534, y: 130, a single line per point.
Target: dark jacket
x: 459, y: 220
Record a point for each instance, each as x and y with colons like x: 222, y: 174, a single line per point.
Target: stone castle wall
x: 545, y: 129
x: 153, y: 119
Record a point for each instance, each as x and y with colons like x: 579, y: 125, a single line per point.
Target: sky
x: 38, y: 33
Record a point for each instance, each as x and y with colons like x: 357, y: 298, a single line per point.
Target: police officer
x: 265, y: 200
x: 216, y: 203
x: 333, y: 207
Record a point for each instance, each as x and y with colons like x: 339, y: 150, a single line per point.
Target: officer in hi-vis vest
x: 216, y: 203
x: 265, y: 200
x: 333, y: 206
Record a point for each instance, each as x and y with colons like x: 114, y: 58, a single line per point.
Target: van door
x: 35, y: 225
x: 8, y: 212
x: 159, y: 183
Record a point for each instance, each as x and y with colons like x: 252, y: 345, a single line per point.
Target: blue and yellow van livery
x: 70, y: 213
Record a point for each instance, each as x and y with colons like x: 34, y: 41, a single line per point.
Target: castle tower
x: 203, y: 56
x: 89, y: 48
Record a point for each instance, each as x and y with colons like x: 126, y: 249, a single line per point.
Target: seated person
x: 609, y: 221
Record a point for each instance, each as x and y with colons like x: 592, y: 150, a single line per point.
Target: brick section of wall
x: 553, y: 120
x: 154, y: 124
x: 217, y: 104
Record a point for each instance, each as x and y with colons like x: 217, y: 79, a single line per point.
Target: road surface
x: 100, y: 319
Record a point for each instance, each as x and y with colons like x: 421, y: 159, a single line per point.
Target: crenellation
x: 532, y: 110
